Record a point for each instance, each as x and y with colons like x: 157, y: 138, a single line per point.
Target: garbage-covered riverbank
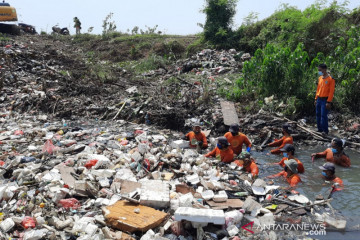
x: 62, y: 180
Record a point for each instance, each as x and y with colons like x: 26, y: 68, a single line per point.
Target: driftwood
x: 313, y: 133
x: 318, y: 136
x: 131, y: 199
x: 182, y: 80
x: 117, y: 114
x: 287, y: 202
x: 314, y: 204
x: 263, y: 145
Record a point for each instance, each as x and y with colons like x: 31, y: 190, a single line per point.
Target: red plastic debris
x: 124, y: 142
x: 294, y: 192
x: 49, y: 147
x: 90, y: 163
x: 69, y: 203
x: 18, y: 132
x: 2, y: 163
x: 147, y: 164
x: 138, y: 132
x: 28, y: 222
x: 232, y: 182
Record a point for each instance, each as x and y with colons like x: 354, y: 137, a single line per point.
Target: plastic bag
x: 69, y: 203
x: 28, y: 222
x: 18, y: 132
x: 90, y: 163
x: 49, y: 147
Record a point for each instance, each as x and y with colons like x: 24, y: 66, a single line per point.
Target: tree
x: 219, y: 18
x: 108, y: 25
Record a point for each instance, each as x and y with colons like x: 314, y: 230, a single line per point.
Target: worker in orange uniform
x: 248, y: 164
x: 288, y: 153
x: 328, y: 174
x: 335, y: 154
x: 237, y: 139
x: 323, y: 98
x: 290, y: 173
x: 197, y: 138
x: 286, y: 139
x: 222, y: 151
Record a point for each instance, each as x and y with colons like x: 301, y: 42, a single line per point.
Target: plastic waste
x: 28, y: 222
x: 7, y: 224
x: 27, y: 159
x: 70, y: 203
x: 91, y: 163
x: 18, y: 132
x: 49, y: 147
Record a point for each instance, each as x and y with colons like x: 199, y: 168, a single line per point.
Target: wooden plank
x: 121, y: 216
x: 229, y: 113
x: 233, y: 203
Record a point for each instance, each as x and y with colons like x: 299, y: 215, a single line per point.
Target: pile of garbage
x: 44, y: 78
x: 208, y: 62
x: 120, y: 180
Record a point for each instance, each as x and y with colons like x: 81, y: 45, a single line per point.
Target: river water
x: 347, y: 201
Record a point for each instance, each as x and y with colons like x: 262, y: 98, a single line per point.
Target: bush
x: 280, y: 72
x: 153, y: 62
x: 318, y: 27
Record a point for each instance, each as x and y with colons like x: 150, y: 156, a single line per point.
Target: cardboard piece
x: 121, y: 216
x: 233, y: 203
x: 128, y: 186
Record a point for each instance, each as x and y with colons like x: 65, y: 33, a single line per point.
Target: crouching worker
x: 222, y: 151
x: 335, y: 154
x: 328, y: 174
x: 197, y: 138
x: 286, y: 139
x: 237, y: 139
x: 288, y: 153
x: 289, y: 173
x: 248, y: 164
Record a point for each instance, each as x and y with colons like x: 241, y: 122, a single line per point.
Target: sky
x: 172, y: 16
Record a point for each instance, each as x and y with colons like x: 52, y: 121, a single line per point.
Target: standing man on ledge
x: 323, y: 98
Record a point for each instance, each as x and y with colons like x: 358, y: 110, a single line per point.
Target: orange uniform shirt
x: 342, y: 160
x: 325, y: 88
x: 280, y: 144
x: 293, y: 180
x: 300, y: 167
x: 251, y: 168
x: 199, y: 137
x: 339, y: 181
x: 236, y: 142
x: 226, y: 155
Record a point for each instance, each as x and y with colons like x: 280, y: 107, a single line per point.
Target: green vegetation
x: 153, y: 62
x: 287, y: 48
x: 219, y: 17
x: 318, y: 27
x: 108, y: 25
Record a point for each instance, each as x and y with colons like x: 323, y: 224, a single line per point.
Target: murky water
x: 347, y: 201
